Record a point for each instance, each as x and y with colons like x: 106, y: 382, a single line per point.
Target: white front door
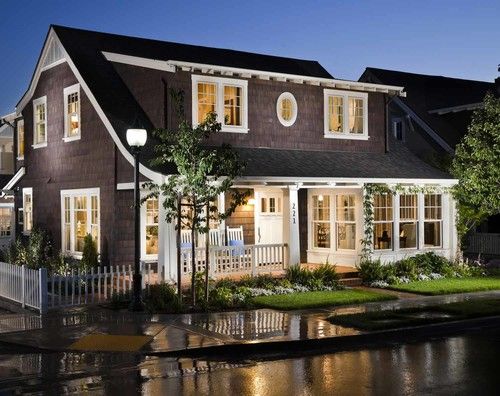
x: 269, y: 217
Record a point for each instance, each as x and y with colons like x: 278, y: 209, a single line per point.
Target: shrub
x: 226, y: 282
x: 61, y: 264
x: 407, y: 268
x: 221, y: 297
x: 371, y: 270
x: 327, y: 274
x: 260, y: 281
x: 90, y: 257
x: 162, y: 298
x: 298, y: 275
x: 33, y: 251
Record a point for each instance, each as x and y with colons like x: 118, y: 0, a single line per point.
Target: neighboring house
x: 432, y: 119
x: 7, y: 220
x: 310, y: 142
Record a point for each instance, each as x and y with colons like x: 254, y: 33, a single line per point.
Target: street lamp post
x: 136, y: 138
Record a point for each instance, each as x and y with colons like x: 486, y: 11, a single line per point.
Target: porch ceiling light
x: 136, y: 137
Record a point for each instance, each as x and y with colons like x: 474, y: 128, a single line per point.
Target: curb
x: 277, y: 349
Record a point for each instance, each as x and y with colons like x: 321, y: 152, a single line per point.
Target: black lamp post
x: 136, y: 138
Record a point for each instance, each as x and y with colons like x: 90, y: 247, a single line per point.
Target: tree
x: 477, y: 167
x: 203, y: 173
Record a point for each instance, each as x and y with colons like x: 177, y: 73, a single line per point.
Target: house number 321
x: 294, y: 213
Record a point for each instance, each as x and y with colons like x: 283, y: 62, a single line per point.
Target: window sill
x: 39, y: 145
x: 148, y: 259
x: 229, y: 129
x: 345, y: 136
x: 71, y: 138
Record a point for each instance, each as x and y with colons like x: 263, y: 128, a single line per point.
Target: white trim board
x: 138, y: 61
x: 333, y: 180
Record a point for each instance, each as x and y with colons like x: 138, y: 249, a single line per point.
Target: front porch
x: 313, y: 223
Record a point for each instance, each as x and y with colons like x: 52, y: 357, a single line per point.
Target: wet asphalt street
x: 465, y: 365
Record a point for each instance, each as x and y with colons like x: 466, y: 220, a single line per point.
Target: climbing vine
x: 371, y: 189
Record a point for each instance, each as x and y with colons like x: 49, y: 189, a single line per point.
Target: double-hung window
x: 27, y: 210
x: 433, y: 218
x: 346, y: 221
x: 72, y: 121
x: 40, y: 122
x: 151, y: 224
x: 382, y: 221
x: 321, y: 221
x: 20, y: 139
x: 408, y: 221
x: 80, y: 214
x: 346, y: 114
x: 224, y: 96
x: 5, y: 221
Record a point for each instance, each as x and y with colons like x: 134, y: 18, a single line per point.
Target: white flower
x: 380, y: 284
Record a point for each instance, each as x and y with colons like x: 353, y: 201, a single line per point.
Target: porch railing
x: 245, y: 259
x: 484, y: 243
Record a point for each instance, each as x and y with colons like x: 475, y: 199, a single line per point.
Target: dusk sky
x: 453, y: 38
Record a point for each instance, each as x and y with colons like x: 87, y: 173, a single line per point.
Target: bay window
x: 226, y: 97
x: 408, y: 221
x: 346, y: 222
x: 432, y: 220
x: 72, y: 113
x: 382, y: 221
x: 40, y: 122
x: 80, y: 214
x: 346, y: 114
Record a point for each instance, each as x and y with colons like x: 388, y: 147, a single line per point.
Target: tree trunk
x: 179, y: 265
x: 207, y: 250
x: 193, y: 251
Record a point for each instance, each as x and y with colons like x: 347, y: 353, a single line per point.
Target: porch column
x: 293, y: 240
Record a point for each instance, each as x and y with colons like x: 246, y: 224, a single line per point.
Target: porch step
x: 351, y: 281
x: 348, y: 274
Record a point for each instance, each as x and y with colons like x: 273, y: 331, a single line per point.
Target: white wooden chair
x: 234, y: 234
x: 216, y: 238
x: 186, y: 238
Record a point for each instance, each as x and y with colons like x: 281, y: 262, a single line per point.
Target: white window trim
x: 144, y: 256
x: 440, y: 221
x: 392, y: 222
x: 287, y: 95
x: 20, y: 157
x: 36, y: 102
x: 398, y: 221
x: 68, y: 91
x: 27, y: 191
x: 345, y: 95
x: 219, y: 104
x: 88, y: 192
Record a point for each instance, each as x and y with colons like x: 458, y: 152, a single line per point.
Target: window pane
x: 207, y: 94
x: 432, y: 233
x: 272, y: 205
x: 321, y: 207
x: 382, y: 236
x: 20, y: 138
x: 345, y: 208
x: 232, y: 105
x: 80, y: 221
x: 321, y: 233
x: 408, y: 207
x: 335, y: 113
x: 40, y: 132
x: 263, y: 205
x: 356, y: 115
x: 408, y: 235
x: 346, y: 236
x: 152, y: 239
x: 321, y: 221
x: 5, y: 221
x: 286, y: 109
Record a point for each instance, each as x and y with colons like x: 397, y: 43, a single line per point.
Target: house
x: 432, y: 119
x: 312, y: 143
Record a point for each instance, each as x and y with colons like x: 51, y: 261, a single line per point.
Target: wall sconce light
x: 251, y: 201
x: 320, y: 198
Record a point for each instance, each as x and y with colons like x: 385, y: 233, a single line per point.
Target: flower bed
x: 419, y: 268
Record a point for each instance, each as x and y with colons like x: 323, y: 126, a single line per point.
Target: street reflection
x: 458, y: 365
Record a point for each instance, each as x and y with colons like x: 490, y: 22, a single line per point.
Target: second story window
x: 40, y: 122
x: 20, y: 139
x: 346, y: 114
x: 72, y: 113
x: 286, y: 109
x: 226, y: 97
x: 397, y: 129
x: 27, y: 210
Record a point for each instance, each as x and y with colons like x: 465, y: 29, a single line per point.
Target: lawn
x: 319, y: 299
x: 380, y: 320
x: 450, y: 285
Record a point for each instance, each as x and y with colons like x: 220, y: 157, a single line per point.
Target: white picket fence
x: 96, y: 286
x: 23, y: 285
x: 229, y: 260
x: 32, y: 288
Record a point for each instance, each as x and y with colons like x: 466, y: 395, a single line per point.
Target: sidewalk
x: 100, y: 329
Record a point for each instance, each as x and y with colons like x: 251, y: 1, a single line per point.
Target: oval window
x: 286, y: 108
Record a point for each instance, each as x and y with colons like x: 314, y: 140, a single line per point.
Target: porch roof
x: 399, y: 163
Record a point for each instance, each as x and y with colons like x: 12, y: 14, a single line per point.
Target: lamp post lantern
x: 136, y: 138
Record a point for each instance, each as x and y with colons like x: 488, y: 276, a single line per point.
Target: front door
x: 269, y: 217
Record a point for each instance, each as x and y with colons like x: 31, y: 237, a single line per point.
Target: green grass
x: 381, y: 320
x: 318, y: 299
x: 450, y: 285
